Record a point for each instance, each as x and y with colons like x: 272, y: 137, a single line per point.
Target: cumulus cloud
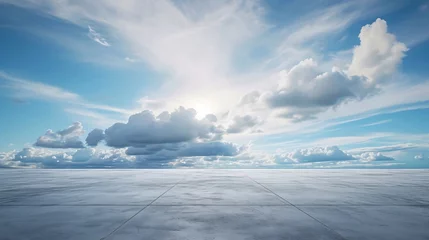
x: 67, y: 138
x: 155, y: 141
x: 164, y: 154
x: 192, y: 154
x: 243, y: 123
x: 317, y: 154
x: 419, y: 157
x: 250, y: 98
x: 306, y: 90
x: 378, y: 54
x: 373, y: 156
x: 189, y: 149
x: 6, y: 160
x: 103, y: 158
x: 327, y: 154
x: 145, y: 128
x: 96, y: 37
x: 94, y: 137
x: 40, y: 156
x: 81, y: 158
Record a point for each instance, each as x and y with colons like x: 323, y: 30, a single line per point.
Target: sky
x: 214, y: 84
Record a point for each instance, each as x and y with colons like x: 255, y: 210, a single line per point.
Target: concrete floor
x: 214, y: 204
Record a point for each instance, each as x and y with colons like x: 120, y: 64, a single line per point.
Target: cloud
x: 67, y: 138
x: 24, y: 89
x: 40, y: 156
x: 297, y: 115
x: 317, y: 154
x: 82, y: 158
x: 6, y: 159
x: 419, y: 157
x: 92, y: 34
x: 94, y: 137
x: 378, y: 54
x: 305, y: 90
x: 145, y: 128
x: 102, y: 158
x: 192, y: 154
x: 250, y: 98
x: 151, y: 156
x: 164, y: 154
x: 327, y: 154
x: 373, y: 156
x: 131, y: 60
x: 388, y: 148
x: 243, y: 123
x: 377, y: 123
x: 151, y: 104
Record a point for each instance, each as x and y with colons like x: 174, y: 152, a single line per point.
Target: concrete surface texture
x: 214, y: 204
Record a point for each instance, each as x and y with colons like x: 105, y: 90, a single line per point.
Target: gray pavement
x: 214, y: 204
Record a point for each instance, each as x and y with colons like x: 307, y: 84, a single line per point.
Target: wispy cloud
x: 23, y: 89
x: 377, y: 123
x: 388, y: 148
x: 97, y: 37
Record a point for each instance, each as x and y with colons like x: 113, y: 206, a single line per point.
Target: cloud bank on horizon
x: 214, y: 84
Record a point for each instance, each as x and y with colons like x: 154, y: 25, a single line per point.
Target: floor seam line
x: 299, y: 209
x: 144, y: 205
x: 129, y: 219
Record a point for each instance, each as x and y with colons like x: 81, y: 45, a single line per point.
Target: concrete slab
x: 214, y: 222
x: 60, y: 222
x: 375, y: 222
x: 240, y: 192
x: 214, y: 204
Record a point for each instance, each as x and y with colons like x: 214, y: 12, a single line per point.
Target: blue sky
x: 273, y: 83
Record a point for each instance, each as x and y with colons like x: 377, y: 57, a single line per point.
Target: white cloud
x: 192, y: 154
x: 377, y: 123
x: 305, y: 90
x: 146, y: 128
x: 131, y: 60
x: 419, y: 157
x: 102, y: 158
x: 242, y: 123
x: 346, y: 140
x: 317, y: 154
x: 327, y: 154
x: 250, y: 98
x: 387, y: 148
x: 378, y: 54
x: 82, y: 158
x: 96, y: 37
x: 197, y: 43
x: 66, y: 138
x: 161, y: 154
x: 6, y: 160
x: 151, y: 104
x: 24, y: 89
x: 27, y: 89
x: 40, y: 156
x: 95, y: 136
x: 373, y: 156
